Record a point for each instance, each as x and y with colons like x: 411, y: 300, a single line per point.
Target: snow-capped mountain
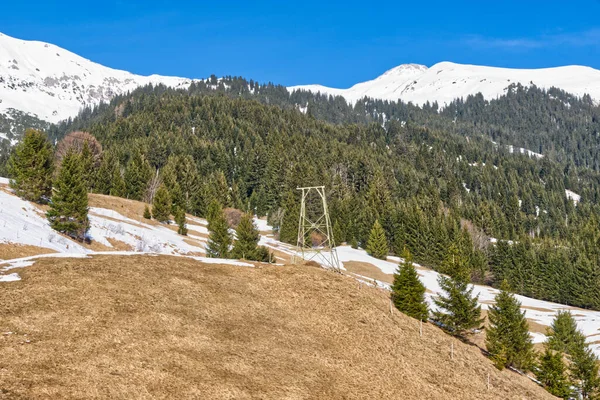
x: 53, y: 84
x: 446, y: 81
x: 46, y: 83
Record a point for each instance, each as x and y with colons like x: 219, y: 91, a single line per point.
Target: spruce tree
x: 455, y: 263
x: 214, y: 210
x: 551, y: 372
x: 161, y: 205
x: 147, y: 214
x: 30, y: 167
x: 180, y: 221
x: 137, y: 175
x: 288, y: 231
x: 219, y: 239
x: 563, y: 334
x: 104, y: 174
x: 377, y: 245
x: 87, y: 164
x: 68, y: 212
x: 408, y: 293
x: 338, y: 236
x: 507, y: 336
x: 247, y: 237
x: 118, y: 183
x: 584, y: 371
x: 458, y: 311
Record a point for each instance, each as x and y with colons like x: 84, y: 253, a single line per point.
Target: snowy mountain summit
x: 446, y: 81
x: 53, y: 84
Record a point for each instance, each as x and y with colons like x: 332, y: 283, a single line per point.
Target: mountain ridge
x: 445, y: 81
x: 53, y: 84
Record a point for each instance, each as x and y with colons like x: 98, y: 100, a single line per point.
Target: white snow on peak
x: 446, y: 81
x: 54, y: 84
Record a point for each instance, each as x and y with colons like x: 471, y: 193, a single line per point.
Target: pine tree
x: 161, y: 205
x: 104, y: 174
x: 455, y: 264
x: 377, y: 244
x: 408, y: 293
x: 118, y: 183
x: 214, y: 210
x: 584, y: 371
x: 338, y: 236
x: 180, y: 221
x: 551, y: 372
x: 507, y: 336
x: 147, y: 214
x: 30, y: 167
x: 87, y: 164
x: 563, y: 335
x: 288, y: 231
x: 137, y: 175
x: 219, y: 240
x: 458, y: 311
x: 68, y: 211
x: 247, y: 237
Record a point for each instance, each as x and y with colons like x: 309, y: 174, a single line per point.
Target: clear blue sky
x: 300, y: 42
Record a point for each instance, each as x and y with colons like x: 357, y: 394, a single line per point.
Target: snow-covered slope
x: 447, y: 81
x: 53, y: 84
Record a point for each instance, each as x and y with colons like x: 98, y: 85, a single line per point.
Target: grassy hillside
x: 141, y: 327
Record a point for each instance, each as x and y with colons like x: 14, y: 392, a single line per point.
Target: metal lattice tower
x: 320, y: 223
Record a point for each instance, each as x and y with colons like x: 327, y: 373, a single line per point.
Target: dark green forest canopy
x: 432, y: 178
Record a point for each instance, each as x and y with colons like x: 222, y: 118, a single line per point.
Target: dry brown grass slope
x: 143, y: 327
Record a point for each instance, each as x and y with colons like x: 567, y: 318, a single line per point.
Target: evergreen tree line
x: 428, y: 187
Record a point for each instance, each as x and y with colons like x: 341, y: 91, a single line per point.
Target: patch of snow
x: 21, y: 222
x: 198, y: 228
x: 10, y: 278
x: 19, y: 263
x: 139, y: 235
x: 572, y: 196
x: 521, y: 150
x: 208, y: 260
x: 302, y: 109
x: 262, y: 225
x: 198, y: 220
x: 4, y: 181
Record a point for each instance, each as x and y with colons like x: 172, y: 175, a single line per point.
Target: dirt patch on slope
x: 368, y: 270
x: 9, y: 251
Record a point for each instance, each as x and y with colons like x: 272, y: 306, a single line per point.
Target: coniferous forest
x: 439, y: 181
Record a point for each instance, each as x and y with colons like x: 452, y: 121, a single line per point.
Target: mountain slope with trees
x: 431, y: 181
